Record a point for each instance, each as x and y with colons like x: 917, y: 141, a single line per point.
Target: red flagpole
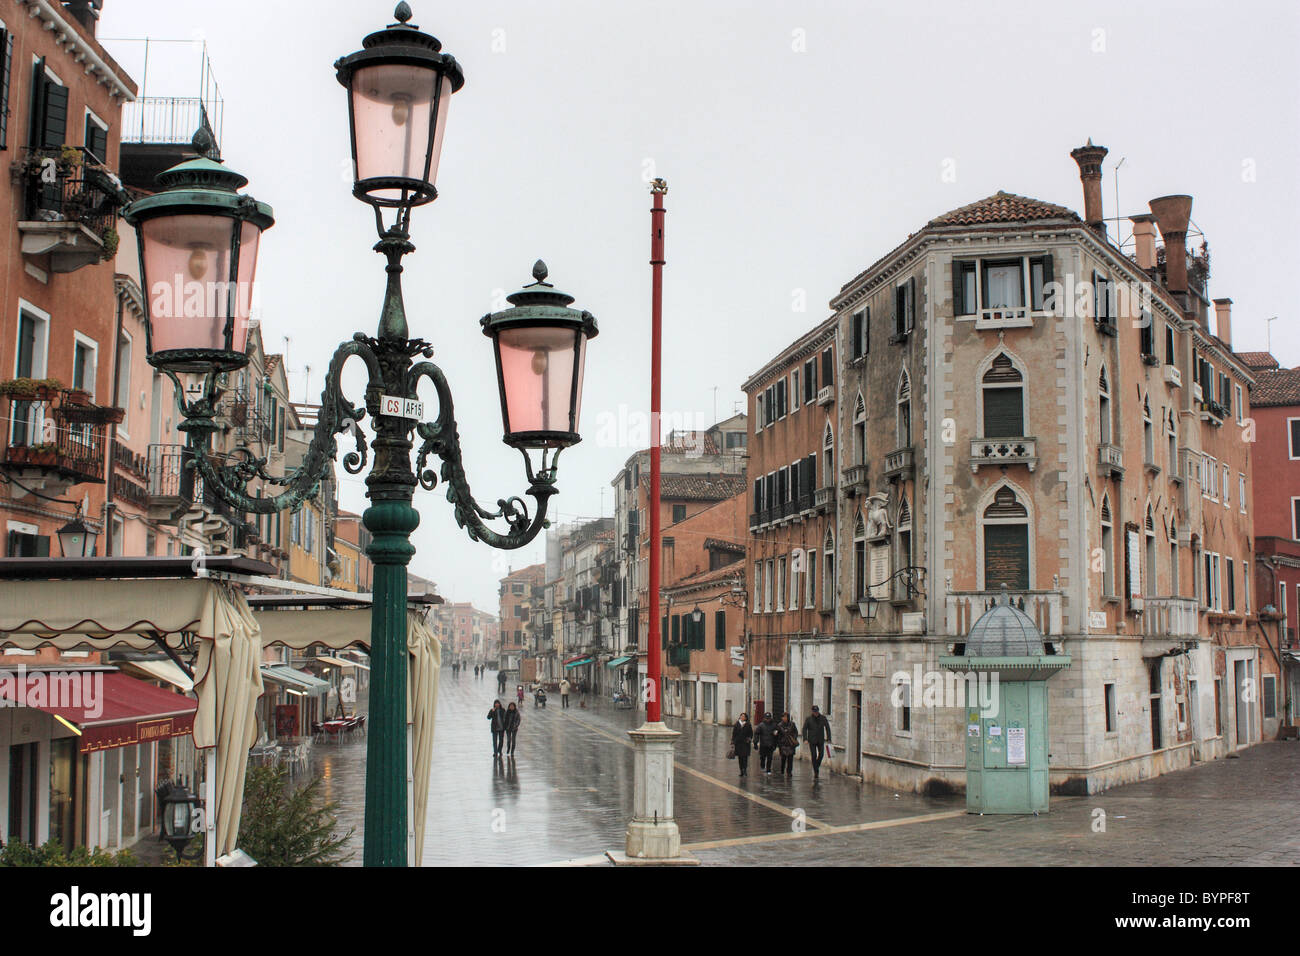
x: 654, y: 662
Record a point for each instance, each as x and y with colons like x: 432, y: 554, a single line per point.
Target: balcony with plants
x: 54, y: 437
x: 70, y: 201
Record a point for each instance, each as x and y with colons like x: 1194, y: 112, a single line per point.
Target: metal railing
x: 964, y: 608
x: 44, y: 432
x: 71, y: 184
x: 161, y: 120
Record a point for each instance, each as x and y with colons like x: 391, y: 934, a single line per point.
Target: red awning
x: 578, y: 658
x: 110, y: 709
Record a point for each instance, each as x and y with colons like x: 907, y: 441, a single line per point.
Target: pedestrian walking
x: 512, y: 720
x: 519, y: 694
x: 765, y: 740
x: 564, y: 692
x: 741, y: 736
x: 787, y: 741
x: 497, y: 718
x: 817, y: 735
x: 539, y: 695
x: 501, y: 681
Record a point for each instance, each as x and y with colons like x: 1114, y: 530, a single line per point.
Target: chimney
x: 1223, y: 320
x: 1089, y: 158
x: 1172, y: 215
x: 85, y: 12
x: 1144, y: 238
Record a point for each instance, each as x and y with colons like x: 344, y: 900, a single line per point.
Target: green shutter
x: 1006, y: 556
x: 54, y: 122
x: 665, y: 623
x: 677, y: 628
x: 958, y: 288
x: 6, y: 69
x: 720, y: 630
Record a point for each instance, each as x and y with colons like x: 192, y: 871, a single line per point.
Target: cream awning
x: 115, y: 612
x: 161, y: 670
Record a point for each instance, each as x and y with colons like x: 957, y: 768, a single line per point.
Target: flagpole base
x: 652, y: 834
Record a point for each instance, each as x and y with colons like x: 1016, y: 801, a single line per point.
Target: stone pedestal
x: 652, y: 835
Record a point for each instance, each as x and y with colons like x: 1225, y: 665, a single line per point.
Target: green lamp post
x: 198, y: 243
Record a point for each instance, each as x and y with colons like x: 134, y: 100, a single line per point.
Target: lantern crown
x: 400, y: 42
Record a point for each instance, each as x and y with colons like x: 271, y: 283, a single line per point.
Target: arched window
x: 903, y: 541
x: 1003, y: 395
x: 1173, y: 558
x: 1004, y: 526
x: 1149, y: 572
x: 1107, y: 549
x: 1104, y: 390
x: 829, y: 581
x: 904, y: 411
x: 859, y: 558
x: 1148, y: 433
x: 828, y: 454
x: 859, y: 431
x: 1171, y: 436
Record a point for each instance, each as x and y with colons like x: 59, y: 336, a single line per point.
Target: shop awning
x: 578, y: 662
x: 106, y: 709
x: 162, y: 670
x: 340, y: 661
x: 295, y: 680
x: 619, y: 661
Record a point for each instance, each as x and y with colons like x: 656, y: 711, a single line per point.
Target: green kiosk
x: 1006, y: 740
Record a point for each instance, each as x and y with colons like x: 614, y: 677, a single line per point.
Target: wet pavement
x: 566, y: 797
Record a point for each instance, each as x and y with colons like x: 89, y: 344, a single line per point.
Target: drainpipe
x: 111, y: 444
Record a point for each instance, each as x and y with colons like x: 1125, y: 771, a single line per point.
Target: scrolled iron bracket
x: 337, y: 415
x: 441, y: 438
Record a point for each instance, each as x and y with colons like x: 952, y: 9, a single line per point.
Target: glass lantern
x: 541, y: 350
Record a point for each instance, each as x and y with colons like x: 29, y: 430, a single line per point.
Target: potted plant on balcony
x: 31, y: 389
x: 76, y: 396
x: 43, y: 454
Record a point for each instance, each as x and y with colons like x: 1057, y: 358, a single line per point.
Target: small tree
x: 52, y: 854
x: 287, y: 826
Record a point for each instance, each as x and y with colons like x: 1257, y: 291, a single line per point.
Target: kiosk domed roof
x: 1004, y: 631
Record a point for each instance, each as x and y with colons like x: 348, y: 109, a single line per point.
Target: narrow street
x: 567, y: 794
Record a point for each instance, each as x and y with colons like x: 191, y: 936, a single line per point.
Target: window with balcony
x: 1003, y: 396
x: 993, y: 291
x: 859, y: 558
x: 859, y: 431
x: 810, y: 381
x: 828, y: 453
x: 828, y: 367
x: 1004, y: 530
x: 1104, y: 401
x: 904, y: 411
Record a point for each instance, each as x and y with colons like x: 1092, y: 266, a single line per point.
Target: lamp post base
x: 652, y: 834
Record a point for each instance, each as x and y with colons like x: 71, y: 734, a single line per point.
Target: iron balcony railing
x: 49, y: 429
x: 164, y: 120
x: 71, y: 184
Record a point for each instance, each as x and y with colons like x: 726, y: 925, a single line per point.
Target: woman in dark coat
x: 497, y: 717
x: 787, y: 741
x: 511, y: 728
x: 742, y: 734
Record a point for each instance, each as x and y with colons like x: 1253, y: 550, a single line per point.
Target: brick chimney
x: 1089, y: 158
x: 1172, y: 215
x: 1144, y: 240
x: 85, y: 12
x: 1223, y: 320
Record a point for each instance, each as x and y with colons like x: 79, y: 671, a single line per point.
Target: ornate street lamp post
x: 198, y: 248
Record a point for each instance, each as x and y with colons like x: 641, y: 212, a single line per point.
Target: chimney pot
x: 1223, y: 320
x: 1172, y: 216
x: 1089, y: 158
x: 1144, y: 240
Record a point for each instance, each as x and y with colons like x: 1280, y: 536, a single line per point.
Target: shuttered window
x: 963, y: 288
x: 828, y: 367
x: 720, y: 630
x: 1006, y: 556
x: 6, y: 71
x: 96, y: 139
x: 49, y: 116
x: 859, y: 319
x: 1003, y: 400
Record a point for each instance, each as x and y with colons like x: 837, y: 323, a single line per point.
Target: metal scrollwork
x: 441, y: 438
x: 337, y: 415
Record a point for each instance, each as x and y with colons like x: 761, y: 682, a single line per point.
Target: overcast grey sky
x: 800, y: 142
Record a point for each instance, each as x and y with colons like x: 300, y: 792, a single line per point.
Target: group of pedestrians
x: 773, y: 736
x: 479, y: 670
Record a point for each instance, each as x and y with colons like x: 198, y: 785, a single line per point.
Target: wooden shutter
x: 1004, y: 413
x: 828, y: 367
x: 911, y: 304
x: 720, y: 630
x: 677, y: 628
x: 958, y: 287
x: 96, y: 139
x: 54, y: 119
x: 43, y: 546
x: 866, y: 331
x: 900, y: 309
x: 858, y: 319
x: 6, y: 69
x: 1006, y: 556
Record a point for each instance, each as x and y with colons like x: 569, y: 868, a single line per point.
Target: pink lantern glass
x: 541, y: 372
x: 192, y: 295
x: 393, y: 121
